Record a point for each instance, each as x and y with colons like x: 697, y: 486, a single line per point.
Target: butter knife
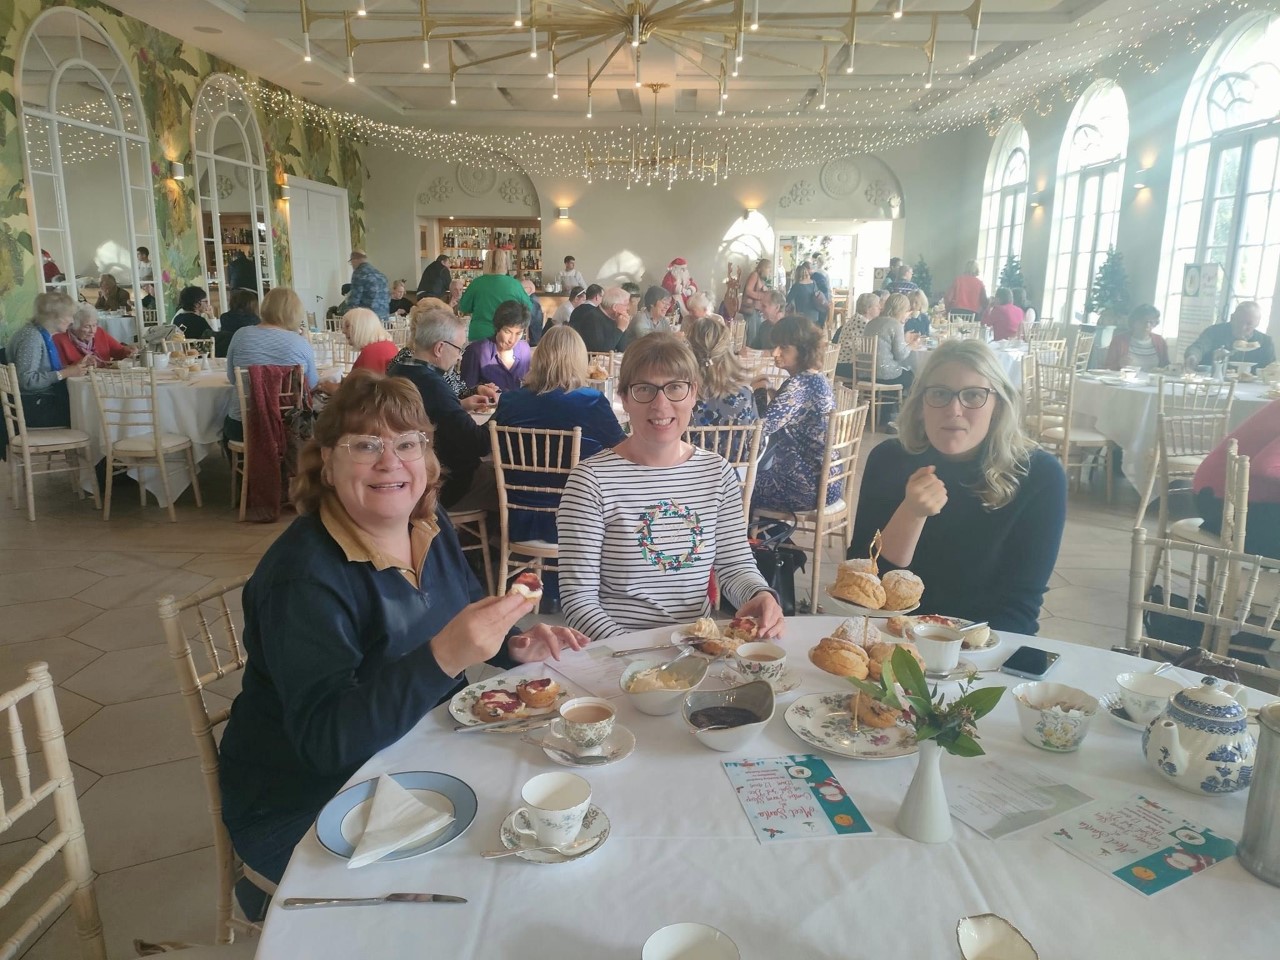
x: 297, y: 902
x: 518, y: 725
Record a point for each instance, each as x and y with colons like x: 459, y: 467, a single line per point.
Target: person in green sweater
x: 487, y: 291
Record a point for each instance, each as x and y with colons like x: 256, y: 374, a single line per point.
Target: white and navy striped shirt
x: 638, y: 544
x: 266, y: 344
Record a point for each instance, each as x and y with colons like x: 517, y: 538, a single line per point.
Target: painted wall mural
x: 168, y: 73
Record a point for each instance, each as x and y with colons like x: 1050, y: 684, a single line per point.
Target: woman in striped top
x: 644, y: 525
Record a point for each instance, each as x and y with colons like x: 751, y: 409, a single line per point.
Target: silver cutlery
x: 518, y: 725
x: 298, y: 902
x: 563, y: 848
x: 660, y: 646
x: 569, y: 756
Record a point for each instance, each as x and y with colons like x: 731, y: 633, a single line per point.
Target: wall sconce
x: 1140, y: 178
x: 746, y: 214
x: 1037, y: 199
x: 562, y: 213
x: 177, y: 171
x: 284, y: 191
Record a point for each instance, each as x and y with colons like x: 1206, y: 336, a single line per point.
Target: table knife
x: 519, y: 724
x: 296, y: 902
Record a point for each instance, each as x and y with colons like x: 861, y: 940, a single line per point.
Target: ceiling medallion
x: 801, y: 193
x: 513, y: 191
x: 840, y: 177
x: 476, y: 181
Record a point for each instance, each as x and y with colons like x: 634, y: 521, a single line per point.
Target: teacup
x: 555, y: 804
x: 761, y: 661
x: 1145, y: 695
x: 939, y: 646
x: 689, y: 941
x: 586, y: 721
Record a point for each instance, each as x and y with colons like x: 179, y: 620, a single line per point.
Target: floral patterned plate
x: 854, y: 610
x: 462, y: 702
x: 823, y: 720
x: 595, y: 825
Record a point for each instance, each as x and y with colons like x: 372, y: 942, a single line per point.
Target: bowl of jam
x: 728, y: 720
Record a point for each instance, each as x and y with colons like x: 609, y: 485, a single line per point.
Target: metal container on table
x: 1259, y: 849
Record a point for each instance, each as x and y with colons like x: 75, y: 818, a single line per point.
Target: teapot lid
x: 1211, y: 699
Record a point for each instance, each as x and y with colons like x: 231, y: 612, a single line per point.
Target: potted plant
x: 1109, y: 295
x: 1011, y: 275
x: 940, y: 724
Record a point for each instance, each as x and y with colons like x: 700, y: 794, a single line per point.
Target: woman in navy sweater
x: 359, y: 619
x: 963, y: 498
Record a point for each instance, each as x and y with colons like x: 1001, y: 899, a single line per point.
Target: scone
x: 861, y: 588
x: 538, y: 693
x: 495, y: 704
x: 858, y: 565
x: 744, y: 629
x: 897, y: 626
x: 869, y: 712
x: 844, y: 658
x: 902, y: 589
x: 716, y: 646
x: 879, y: 653
x: 705, y: 628
x: 528, y: 585
x: 857, y: 629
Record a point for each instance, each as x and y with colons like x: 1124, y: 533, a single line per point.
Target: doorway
x: 319, y: 241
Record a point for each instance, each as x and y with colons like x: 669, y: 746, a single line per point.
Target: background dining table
x: 1008, y: 352
x: 122, y: 326
x: 680, y: 848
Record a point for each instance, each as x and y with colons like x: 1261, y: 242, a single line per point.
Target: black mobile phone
x: 1030, y: 662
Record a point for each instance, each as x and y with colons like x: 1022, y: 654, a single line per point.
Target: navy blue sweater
x: 976, y: 563
x: 339, y: 667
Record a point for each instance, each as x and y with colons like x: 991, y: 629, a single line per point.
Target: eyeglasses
x: 407, y: 447
x: 455, y: 346
x: 972, y: 398
x: 675, y: 391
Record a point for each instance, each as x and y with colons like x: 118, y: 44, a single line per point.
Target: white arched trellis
x: 1004, y: 202
x: 1086, y: 204
x: 87, y: 153
x: 231, y: 172
x: 1224, y: 201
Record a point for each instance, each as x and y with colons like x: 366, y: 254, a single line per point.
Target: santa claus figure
x: 678, y: 282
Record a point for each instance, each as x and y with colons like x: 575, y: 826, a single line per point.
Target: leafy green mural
x: 168, y: 74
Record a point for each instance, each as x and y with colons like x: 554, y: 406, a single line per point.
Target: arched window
x: 231, y: 179
x: 88, y: 157
x: 1004, y: 202
x: 1086, y: 205
x: 1223, y: 206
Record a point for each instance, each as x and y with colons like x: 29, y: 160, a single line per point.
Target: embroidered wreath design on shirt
x: 645, y: 535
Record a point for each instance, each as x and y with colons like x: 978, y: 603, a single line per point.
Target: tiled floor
x: 80, y: 594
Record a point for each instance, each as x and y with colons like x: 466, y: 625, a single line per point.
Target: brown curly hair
x: 802, y: 333
x: 366, y: 403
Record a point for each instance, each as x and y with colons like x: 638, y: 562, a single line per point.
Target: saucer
x: 1111, y: 703
x: 617, y: 746
x: 959, y: 672
x: 789, y: 682
x: 594, y: 825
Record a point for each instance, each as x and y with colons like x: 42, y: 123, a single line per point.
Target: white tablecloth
x: 1126, y: 415
x: 680, y: 848
x: 124, y: 329
x: 194, y: 409
x: 1010, y: 358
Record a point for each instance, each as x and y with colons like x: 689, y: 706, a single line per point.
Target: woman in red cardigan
x: 86, y: 338
x: 1258, y: 438
x: 366, y: 333
x: 1138, y: 346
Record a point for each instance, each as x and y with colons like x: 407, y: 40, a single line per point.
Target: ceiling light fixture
x: 533, y: 43
x: 351, y: 69
x: 426, y: 55
x: 361, y: 11
x: 637, y: 67
x: 975, y: 17
x: 755, y: 16
x: 1140, y: 178
x: 453, y: 91
x: 519, y: 19
x: 741, y: 40
x: 635, y: 29
x: 555, y: 88
x: 306, y: 47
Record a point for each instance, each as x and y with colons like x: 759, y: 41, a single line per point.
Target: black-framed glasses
x: 972, y: 398
x: 674, y: 390
x: 455, y: 346
x: 407, y: 447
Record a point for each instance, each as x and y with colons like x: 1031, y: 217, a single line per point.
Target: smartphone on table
x: 1030, y: 662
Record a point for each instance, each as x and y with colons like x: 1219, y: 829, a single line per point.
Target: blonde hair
x: 281, y: 307
x: 364, y: 327
x: 559, y: 363
x: 1005, y: 454
x: 657, y: 353
x: 720, y: 372
x: 52, y: 306
x: 497, y: 261
x: 919, y: 302
x: 896, y: 306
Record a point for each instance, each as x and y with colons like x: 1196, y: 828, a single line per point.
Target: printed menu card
x: 1141, y: 843
x: 794, y: 798
x: 1000, y: 797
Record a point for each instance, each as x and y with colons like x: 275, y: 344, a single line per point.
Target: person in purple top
x: 502, y: 359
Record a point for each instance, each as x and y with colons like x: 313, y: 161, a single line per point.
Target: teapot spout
x: 1165, y: 749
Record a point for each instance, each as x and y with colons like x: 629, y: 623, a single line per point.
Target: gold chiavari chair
x: 1054, y: 431
x: 737, y: 443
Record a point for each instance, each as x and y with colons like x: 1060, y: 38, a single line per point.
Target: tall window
x: 1086, y: 207
x: 1004, y: 202
x: 1223, y: 205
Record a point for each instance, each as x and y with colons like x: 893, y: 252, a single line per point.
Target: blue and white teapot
x: 1202, y: 741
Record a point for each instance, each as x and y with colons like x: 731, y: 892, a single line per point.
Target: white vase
x: 924, y: 815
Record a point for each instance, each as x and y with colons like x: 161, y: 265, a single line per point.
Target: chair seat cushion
x: 145, y: 443
x: 540, y: 547
x: 1187, y: 464
x: 51, y: 437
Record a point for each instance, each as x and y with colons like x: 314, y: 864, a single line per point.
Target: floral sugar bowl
x: 1201, y: 741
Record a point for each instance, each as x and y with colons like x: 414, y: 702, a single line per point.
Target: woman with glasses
x: 1138, y: 346
x: 358, y: 620
x: 795, y: 422
x: 963, y: 498
x: 643, y: 526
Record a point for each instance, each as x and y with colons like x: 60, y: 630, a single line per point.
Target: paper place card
x: 794, y: 798
x: 1000, y: 797
x: 594, y: 669
x: 1144, y: 845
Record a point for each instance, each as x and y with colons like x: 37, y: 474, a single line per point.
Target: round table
x: 1010, y: 358
x: 680, y: 848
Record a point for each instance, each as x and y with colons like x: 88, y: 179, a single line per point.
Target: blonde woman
x: 724, y: 393
x: 276, y: 340
x: 487, y: 291
x: 918, y: 318
x: 366, y: 333
x: 963, y: 498
x: 893, y: 346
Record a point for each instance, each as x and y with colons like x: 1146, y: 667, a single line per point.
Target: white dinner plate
x: 853, y: 610
x: 462, y: 702
x: 341, y: 823
x: 823, y: 720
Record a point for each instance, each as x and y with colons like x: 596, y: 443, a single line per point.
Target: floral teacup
x: 555, y: 804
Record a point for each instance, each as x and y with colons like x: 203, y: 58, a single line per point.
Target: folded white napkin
x: 396, y: 819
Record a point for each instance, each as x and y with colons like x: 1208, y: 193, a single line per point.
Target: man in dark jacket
x: 601, y: 327
x: 436, y: 278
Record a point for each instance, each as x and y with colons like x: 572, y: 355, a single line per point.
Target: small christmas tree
x: 1110, y: 290
x: 922, y: 278
x: 1011, y: 275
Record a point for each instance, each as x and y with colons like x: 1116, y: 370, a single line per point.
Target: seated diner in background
x: 893, y: 345
x: 1258, y: 438
x: 653, y: 317
x: 866, y: 308
x: 194, y: 314
x: 400, y: 304
x: 112, y: 296
x: 962, y: 497
x: 565, y: 310
x: 1136, y: 345
x: 503, y: 358
x: 699, y: 306
x: 725, y: 397
x: 1240, y: 335
x: 616, y: 576
x: 1003, y: 317
x: 918, y: 319
x: 358, y: 620
x: 773, y: 307
x: 795, y: 422
x: 42, y: 375
x: 603, y: 327
x: 242, y: 311
x: 84, y: 338
x: 364, y: 331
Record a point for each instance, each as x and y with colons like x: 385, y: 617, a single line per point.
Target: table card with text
x: 1001, y: 797
x: 793, y: 798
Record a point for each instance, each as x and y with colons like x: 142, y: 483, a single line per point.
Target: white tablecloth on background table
x: 194, y: 409
x: 124, y: 329
x: 1010, y: 358
x: 1126, y: 415
x: 680, y: 848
